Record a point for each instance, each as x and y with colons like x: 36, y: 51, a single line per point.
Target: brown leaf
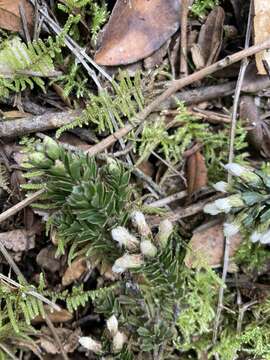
x: 259, y: 130
x: 18, y: 240
x: 208, y: 246
x: 10, y: 18
x: 60, y: 316
x: 196, y: 172
x: 261, y: 32
x: 77, y: 268
x: 136, y: 29
x: 67, y: 337
x: 46, y: 259
x: 210, y: 36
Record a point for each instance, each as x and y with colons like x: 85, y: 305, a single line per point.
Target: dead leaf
x: 18, y: 240
x: 136, y: 29
x: 262, y: 32
x: 67, y: 337
x: 210, y: 36
x: 46, y: 259
x: 196, y: 172
x: 77, y: 268
x: 208, y: 246
x: 10, y: 18
x: 259, y: 129
x: 60, y: 316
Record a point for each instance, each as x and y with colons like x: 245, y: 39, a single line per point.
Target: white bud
x: 118, y: 341
x: 230, y: 229
x: 91, y: 344
x: 244, y: 173
x: 255, y: 236
x: 226, y: 204
x: 235, y: 169
x: 112, y: 325
x: 127, y: 261
x: 139, y: 222
x: 148, y: 249
x: 221, y: 186
x: 223, y: 205
x: 211, y: 209
x: 265, y: 238
x: 165, y: 231
x: 124, y: 238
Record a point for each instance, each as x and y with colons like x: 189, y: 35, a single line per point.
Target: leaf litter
x: 146, y: 249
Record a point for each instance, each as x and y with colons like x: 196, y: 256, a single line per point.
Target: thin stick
x: 183, y: 43
x: 176, y: 86
x: 21, y: 205
x: 231, y: 156
x: 56, y: 337
x: 24, y: 22
x: 169, y: 199
x: 30, y: 292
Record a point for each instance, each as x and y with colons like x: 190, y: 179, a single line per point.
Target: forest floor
x: 134, y: 179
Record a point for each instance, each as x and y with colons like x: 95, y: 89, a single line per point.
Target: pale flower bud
x: 226, y: 204
x: 255, y: 236
x: 139, y: 222
x: 230, y: 229
x: 148, y: 249
x: 265, y: 238
x: 211, y: 209
x: 118, y: 341
x: 221, y: 186
x: 244, y: 173
x: 112, y: 325
x: 124, y: 238
x: 91, y: 344
x: 165, y: 231
x: 127, y: 261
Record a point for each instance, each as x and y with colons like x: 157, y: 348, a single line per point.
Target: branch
x: 176, y: 86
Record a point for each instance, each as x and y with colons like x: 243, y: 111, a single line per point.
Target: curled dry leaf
x: 136, y: 29
x: 207, y: 246
x: 18, y: 240
x: 67, y: 337
x: 46, y: 259
x: 60, y: 316
x: 74, y: 271
x: 10, y: 18
x: 206, y: 51
x: 196, y: 172
x: 259, y: 129
x: 262, y: 32
x: 210, y: 36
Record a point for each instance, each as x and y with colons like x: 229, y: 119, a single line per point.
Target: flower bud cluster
x: 249, y: 203
x: 146, y: 247
x: 118, y: 338
x: 46, y: 154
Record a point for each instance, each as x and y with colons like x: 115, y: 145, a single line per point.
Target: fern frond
x: 124, y: 104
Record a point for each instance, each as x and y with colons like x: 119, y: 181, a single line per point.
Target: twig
x: 21, y: 205
x: 181, y: 213
x: 30, y: 292
x: 33, y: 124
x: 183, y: 43
x: 8, y: 352
x: 231, y: 156
x: 169, y: 199
x: 241, y: 314
x: 176, y: 86
x: 240, y: 80
x: 56, y: 337
x: 170, y: 166
x: 24, y: 22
